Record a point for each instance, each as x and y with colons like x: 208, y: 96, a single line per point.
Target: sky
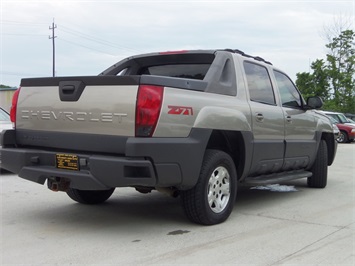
x: 92, y: 35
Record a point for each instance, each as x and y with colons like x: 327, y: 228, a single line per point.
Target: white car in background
x: 345, y: 125
x: 339, y: 117
x: 5, y: 123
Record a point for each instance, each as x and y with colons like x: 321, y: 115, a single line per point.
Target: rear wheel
x: 89, y: 196
x: 212, y: 199
x: 320, y: 167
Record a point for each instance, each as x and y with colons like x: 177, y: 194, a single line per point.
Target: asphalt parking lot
x: 297, y: 226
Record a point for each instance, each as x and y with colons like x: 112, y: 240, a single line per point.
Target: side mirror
x: 314, y: 102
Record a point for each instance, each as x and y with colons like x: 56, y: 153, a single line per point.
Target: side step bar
x: 276, y: 178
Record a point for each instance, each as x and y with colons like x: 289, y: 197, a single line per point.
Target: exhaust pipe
x: 172, y: 192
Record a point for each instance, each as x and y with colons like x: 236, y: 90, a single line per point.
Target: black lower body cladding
x: 154, y: 162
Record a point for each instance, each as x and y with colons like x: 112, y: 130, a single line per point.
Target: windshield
x: 340, y: 118
x: 343, y: 118
x: 332, y: 120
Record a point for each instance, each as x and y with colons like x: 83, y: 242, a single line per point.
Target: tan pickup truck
x: 195, y: 124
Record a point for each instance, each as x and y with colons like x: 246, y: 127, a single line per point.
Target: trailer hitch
x: 58, y: 184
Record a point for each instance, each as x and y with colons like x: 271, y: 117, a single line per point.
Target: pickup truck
x: 194, y: 124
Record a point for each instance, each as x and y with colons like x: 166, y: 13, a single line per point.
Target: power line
x: 94, y: 38
x: 68, y: 30
x: 87, y: 38
x: 87, y: 47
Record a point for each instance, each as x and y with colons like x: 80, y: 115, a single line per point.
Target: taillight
x: 14, y: 106
x: 149, y: 101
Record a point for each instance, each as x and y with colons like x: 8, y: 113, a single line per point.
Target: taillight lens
x: 14, y: 106
x: 149, y: 101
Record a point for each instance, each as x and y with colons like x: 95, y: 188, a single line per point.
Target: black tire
x: 343, y: 137
x: 89, y: 196
x: 199, y: 202
x: 320, y: 167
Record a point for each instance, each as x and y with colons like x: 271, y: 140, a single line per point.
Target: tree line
x: 4, y: 86
x: 333, y: 78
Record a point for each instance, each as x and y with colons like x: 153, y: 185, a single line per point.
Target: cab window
x: 259, y: 83
x: 290, y: 97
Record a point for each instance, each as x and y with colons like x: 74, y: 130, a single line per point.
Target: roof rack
x: 258, y: 58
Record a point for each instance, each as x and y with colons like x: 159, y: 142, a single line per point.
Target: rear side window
x: 259, y: 83
x: 189, y: 71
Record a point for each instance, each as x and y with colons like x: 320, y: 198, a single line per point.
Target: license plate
x: 67, y: 161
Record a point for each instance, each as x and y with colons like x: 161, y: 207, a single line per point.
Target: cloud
x: 91, y: 35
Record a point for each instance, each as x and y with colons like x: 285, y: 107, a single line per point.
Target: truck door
x: 300, y: 125
x: 267, y: 121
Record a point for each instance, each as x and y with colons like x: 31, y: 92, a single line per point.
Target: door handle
x: 289, y: 119
x: 68, y: 89
x: 259, y: 117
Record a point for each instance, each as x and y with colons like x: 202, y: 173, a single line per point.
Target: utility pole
x: 53, y: 43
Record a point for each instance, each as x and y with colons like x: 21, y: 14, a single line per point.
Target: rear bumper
x: 152, y: 162
x: 95, y: 171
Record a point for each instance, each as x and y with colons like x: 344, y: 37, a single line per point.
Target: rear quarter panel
x: 183, y: 110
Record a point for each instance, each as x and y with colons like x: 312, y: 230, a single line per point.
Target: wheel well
x: 231, y: 142
x: 331, y: 146
x: 344, y: 131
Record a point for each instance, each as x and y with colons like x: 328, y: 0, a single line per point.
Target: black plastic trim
x: 179, y: 83
x: 186, y: 152
x: 111, y: 162
x: 87, y: 80
x: 136, y: 62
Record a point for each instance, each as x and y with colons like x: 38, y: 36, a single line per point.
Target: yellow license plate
x: 67, y: 161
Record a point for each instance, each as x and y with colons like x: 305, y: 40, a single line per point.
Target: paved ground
x: 307, y: 226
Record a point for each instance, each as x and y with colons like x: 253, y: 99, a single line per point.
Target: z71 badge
x: 180, y: 110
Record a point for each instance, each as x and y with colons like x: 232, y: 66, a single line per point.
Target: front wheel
x: 320, y: 167
x: 212, y: 199
x: 89, y: 196
x: 343, y: 137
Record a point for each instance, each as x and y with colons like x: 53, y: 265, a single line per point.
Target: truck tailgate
x: 106, y: 109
